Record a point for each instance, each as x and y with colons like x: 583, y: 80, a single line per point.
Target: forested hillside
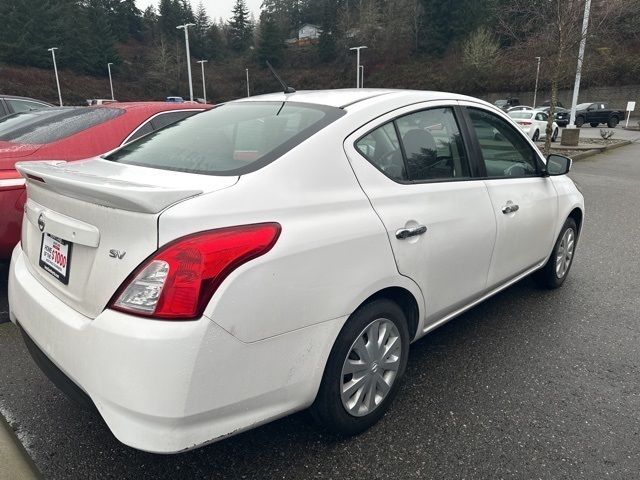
x: 469, y: 46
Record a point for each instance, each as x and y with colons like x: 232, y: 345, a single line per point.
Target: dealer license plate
x: 55, y: 257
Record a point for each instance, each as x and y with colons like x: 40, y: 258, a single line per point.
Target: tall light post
x: 583, y: 43
x: 204, y: 88
x: 110, y: 81
x: 185, y: 27
x: 535, y: 92
x: 357, y: 49
x: 361, y: 76
x: 55, y: 69
x: 247, y: 72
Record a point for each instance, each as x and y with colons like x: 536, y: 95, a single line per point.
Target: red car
x: 69, y: 133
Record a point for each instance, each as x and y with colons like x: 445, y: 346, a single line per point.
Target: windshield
x: 232, y: 139
x: 39, y: 127
x: 520, y: 115
x: 500, y: 103
x: 582, y: 106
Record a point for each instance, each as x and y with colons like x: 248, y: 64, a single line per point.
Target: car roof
x: 344, y: 97
x: 154, y: 106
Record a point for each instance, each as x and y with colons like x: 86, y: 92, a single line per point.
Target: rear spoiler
x: 62, y: 178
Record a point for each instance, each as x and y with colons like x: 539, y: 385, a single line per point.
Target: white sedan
x: 277, y: 253
x: 534, y: 124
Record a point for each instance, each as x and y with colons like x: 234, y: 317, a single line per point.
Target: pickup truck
x: 596, y: 113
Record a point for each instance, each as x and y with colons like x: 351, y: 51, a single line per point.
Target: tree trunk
x: 552, y: 114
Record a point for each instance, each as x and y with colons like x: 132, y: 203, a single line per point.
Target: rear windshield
x: 500, y: 103
x: 520, y: 114
x: 231, y: 139
x: 52, y: 124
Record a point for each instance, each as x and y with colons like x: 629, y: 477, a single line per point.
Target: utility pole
x: 247, y: 71
x: 204, y: 88
x: 185, y: 27
x: 110, y: 81
x: 535, y: 92
x: 357, y: 49
x: 55, y: 69
x: 583, y: 42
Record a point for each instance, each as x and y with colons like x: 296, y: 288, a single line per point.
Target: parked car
x: 277, y: 253
x: 100, y: 101
x: 534, y: 124
x: 68, y: 133
x: 507, y: 103
x: 12, y: 104
x: 598, y: 113
x: 547, y: 103
x: 519, y: 108
x: 175, y: 100
x: 562, y: 115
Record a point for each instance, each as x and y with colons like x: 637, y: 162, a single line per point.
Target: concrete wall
x: 617, y: 97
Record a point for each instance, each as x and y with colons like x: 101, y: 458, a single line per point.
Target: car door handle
x: 510, y: 208
x: 403, y: 233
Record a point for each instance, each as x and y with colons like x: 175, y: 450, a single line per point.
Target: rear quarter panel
x: 332, y: 254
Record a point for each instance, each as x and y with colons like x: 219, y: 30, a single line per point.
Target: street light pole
x: 55, y: 69
x: 247, y: 71
x: 204, y: 88
x: 583, y: 42
x: 535, y: 92
x: 357, y: 49
x: 361, y: 76
x: 110, y: 81
x: 185, y: 27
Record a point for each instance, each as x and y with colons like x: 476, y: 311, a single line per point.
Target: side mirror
x: 558, y: 164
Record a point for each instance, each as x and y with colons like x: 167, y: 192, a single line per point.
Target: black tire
x: 613, y: 122
x: 554, y: 137
x: 536, y: 136
x: 546, y: 277
x: 594, y: 124
x: 328, y: 409
x: 579, y: 121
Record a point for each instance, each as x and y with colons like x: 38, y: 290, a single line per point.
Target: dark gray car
x: 12, y: 104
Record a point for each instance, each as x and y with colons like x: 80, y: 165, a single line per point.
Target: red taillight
x: 177, y: 282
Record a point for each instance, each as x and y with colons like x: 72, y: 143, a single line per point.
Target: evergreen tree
x: 200, y: 38
x: 271, y: 42
x: 240, y: 28
x: 100, y: 39
x: 327, y: 42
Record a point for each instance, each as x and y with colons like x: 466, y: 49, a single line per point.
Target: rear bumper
x: 170, y: 386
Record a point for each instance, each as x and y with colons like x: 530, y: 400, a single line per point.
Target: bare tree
x: 553, y: 30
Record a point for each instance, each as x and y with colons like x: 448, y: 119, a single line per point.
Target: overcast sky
x: 215, y: 8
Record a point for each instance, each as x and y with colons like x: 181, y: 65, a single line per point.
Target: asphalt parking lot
x: 530, y: 384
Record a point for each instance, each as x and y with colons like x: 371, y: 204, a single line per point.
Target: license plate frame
x: 46, y: 262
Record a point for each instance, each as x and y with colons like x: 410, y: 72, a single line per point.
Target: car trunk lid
x: 102, y: 217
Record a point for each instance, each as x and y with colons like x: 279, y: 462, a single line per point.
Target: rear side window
x: 232, y: 139
x: 24, y: 105
x: 52, y: 124
x: 429, y: 148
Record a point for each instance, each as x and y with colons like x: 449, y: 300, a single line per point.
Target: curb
x: 15, y: 463
x: 596, y: 151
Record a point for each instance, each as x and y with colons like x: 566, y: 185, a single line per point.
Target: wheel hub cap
x: 371, y: 367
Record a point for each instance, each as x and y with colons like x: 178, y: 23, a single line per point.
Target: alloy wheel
x: 564, y: 255
x: 371, y: 367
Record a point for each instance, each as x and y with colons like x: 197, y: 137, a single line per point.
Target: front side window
x: 232, y: 139
x: 432, y: 147
x: 505, y: 152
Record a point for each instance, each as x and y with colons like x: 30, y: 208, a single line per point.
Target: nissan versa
x: 277, y: 253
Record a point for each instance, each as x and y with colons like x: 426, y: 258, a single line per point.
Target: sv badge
x: 117, y: 254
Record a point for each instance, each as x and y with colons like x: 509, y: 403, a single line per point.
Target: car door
x: 413, y: 165
x: 524, y: 201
